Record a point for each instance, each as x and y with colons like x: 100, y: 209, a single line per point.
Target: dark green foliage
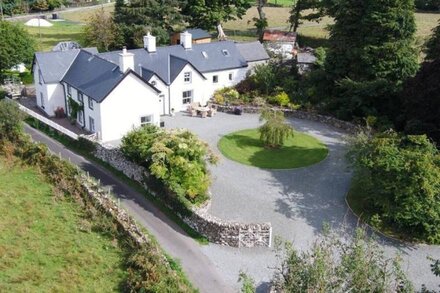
x: 428, y: 5
x: 373, y: 44
x: 275, y: 130
x: 421, y: 103
x: 433, y: 45
x: 137, y: 17
x: 334, y: 265
x: 10, y: 120
x: 297, y: 12
x: 176, y: 158
x: 16, y: 46
x: 401, y: 175
x: 207, y: 14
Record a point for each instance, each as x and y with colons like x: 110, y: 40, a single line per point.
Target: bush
x: 227, y: 95
x: 177, y: 158
x: 402, y: 176
x: 10, y: 120
x: 281, y: 99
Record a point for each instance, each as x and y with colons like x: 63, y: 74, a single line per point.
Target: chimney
x: 186, y: 40
x: 150, y: 43
x: 126, y: 60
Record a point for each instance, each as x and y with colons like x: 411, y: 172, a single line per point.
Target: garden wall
x: 344, y: 125
x: 233, y: 234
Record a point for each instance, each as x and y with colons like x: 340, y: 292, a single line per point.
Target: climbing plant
x: 75, y: 107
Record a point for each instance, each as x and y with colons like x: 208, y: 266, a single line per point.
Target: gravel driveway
x: 297, y: 202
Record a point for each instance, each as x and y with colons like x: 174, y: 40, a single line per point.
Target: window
x: 205, y: 55
x: 81, y: 98
x: 40, y: 77
x: 90, y: 103
x: 215, y: 78
x: 69, y: 90
x: 187, y: 97
x: 42, y: 100
x: 81, y: 117
x: 91, y: 124
x: 146, y: 120
x: 187, y: 77
x: 230, y: 76
x: 225, y: 52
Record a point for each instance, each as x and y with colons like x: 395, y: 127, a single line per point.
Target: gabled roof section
x: 159, y: 62
x: 92, y: 75
x: 253, y: 51
x: 53, y: 65
x: 176, y: 66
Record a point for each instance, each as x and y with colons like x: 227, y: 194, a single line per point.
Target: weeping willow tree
x: 276, y: 130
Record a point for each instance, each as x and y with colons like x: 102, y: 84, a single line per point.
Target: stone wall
x: 344, y: 125
x: 233, y: 234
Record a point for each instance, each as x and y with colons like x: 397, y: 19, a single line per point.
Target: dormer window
x: 205, y: 54
x: 225, y: 52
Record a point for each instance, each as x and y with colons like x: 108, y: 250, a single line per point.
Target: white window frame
x: 69, y: 89
x: 91, y: 124
x: 149, y: 119
x: 187, y: 77
x: 215, y: 79
x: 80, y: 98
x: 81, y: 117
x: 42, y: 100
x: 187, y: 97
x: 90, y: 103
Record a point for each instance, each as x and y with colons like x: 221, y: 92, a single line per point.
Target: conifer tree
x: 433, y: 45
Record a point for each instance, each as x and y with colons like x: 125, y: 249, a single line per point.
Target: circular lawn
x: 245, y: 147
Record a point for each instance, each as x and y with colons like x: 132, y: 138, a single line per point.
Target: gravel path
x: 297, y: 202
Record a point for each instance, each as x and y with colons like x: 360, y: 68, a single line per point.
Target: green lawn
x: 46, y: 243
x: 245, y: 147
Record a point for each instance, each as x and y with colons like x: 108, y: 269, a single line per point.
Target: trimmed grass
x: 245, y: 147
x: 46, y: 243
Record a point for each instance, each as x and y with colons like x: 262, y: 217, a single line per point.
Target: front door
x: 162, y: 104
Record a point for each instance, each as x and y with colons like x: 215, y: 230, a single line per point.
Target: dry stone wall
x: 218, y: 231
x: 344, y: 125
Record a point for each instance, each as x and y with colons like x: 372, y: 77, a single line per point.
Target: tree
x: 264, y: 77
x: 370, y: 42
x: 401, y: 177
x: 420, y: 101
x: 207, y: 14
x: 102, y: 32
x: 428, y: 5
x: 433, y: 45
x: 275, y: 131
x: 299, y: 6
x: 334, y: 265
x: 16, y: 46
x: 261, y: 22
x: 40, y: 5
x: 137, y: 17
x: 10, y: 120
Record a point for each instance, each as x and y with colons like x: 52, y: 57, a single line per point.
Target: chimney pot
x: 150, y: 43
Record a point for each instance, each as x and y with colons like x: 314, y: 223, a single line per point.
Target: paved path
x: 172, y: 239
x: 297, y: 202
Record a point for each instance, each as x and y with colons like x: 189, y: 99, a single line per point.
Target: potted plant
x: 172, y: 114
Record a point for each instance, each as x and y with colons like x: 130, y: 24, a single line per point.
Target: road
x: 197, y: 266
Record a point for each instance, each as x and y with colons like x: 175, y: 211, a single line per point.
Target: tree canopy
x: 433, y: 44
x: 297, y: 14
x: 16, y: 45
x: 207, y: 14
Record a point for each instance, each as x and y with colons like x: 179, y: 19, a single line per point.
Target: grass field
x: 299, y: 151
x: 46, y: 245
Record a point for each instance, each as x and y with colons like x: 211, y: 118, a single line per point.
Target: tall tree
x: 207, y: 14
x: 102, y: 32
x: 16, y: 45
x: 261, y: 21
x: 297, y: 14
x: 433, y: 44
x: 371, y: 47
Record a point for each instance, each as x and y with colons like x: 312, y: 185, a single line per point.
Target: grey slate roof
x: 252, y: 51
x: 53, y: 65
x: 198, y: 33
x: 160, y: 63
x: 93, y: 76
x: 306, y: 57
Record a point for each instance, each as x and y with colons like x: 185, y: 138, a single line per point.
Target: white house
x: 117, y: 91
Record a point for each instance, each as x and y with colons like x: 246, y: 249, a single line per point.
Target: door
x: 162, y: 104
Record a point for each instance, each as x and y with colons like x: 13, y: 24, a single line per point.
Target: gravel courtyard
x: 297, y: 202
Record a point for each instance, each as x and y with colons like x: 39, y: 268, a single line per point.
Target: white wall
x: 198, y: 85
x: 120, y: 112
x: 53, y: 94
x: 164, y: 108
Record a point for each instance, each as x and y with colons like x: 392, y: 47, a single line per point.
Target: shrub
x: 275, y: 131
x: 402, y: 176
x: 264, y: 77
x: 10, y: 120
x: 177, y: 158
x: 281, y: 99
x: 246, y: 85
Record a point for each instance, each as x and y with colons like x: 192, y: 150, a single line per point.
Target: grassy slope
x: 43, y: 246
x: 245, y: 147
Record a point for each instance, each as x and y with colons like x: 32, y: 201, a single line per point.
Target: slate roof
x: 198, y: 33
x: 160, y: 63
x: 252, y: 51
x: 53, y: 65
x: 306, y: 57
